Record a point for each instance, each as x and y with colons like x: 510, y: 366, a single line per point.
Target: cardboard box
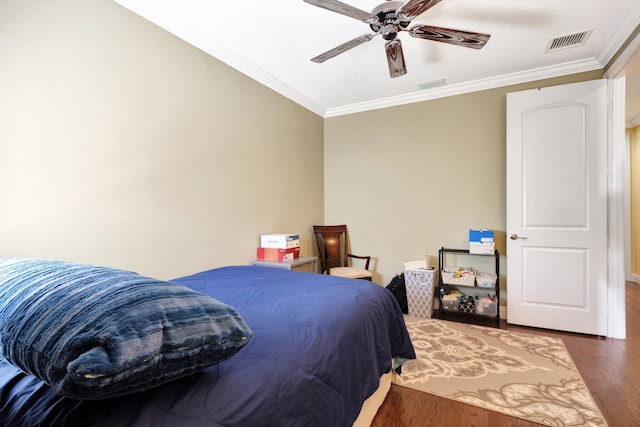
x: 479, y: 248
x: 280, y: 241
x: 467, y: 279
x: 278, y: 255
x: 480, y: 235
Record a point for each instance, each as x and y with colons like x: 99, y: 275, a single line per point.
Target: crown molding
x: 634, y: 122
x: 469, y: 87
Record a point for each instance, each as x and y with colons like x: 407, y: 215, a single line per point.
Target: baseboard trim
x: 503, y: 312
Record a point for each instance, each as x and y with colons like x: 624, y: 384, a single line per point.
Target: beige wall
x: 124, y: 146
x: 408, y: 180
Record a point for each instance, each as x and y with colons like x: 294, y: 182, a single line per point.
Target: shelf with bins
x: 464, y: 296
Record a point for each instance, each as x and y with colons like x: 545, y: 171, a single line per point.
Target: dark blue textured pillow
x: 95, y: 332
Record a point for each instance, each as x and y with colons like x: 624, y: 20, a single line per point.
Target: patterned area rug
x: 519, y: 374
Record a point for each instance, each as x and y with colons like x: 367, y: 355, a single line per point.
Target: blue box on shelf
x: 480, y: 235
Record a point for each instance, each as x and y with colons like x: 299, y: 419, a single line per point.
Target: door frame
x: 618, y: 186
x: 616, y: 326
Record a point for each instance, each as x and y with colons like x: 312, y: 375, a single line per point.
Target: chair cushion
x: 95, y: 332
x: 350, y: 272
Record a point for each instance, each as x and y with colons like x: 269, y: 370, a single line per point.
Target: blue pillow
x: 95, y: 332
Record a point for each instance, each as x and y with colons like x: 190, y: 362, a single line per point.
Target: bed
x: 318, y: 349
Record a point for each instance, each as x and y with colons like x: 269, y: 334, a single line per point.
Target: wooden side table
x: 288, y: 265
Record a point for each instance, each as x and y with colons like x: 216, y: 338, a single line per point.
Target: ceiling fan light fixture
x: 389, y: 32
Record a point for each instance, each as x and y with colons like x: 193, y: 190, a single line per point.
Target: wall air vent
x: 432, y: 84
x: 569, y: 40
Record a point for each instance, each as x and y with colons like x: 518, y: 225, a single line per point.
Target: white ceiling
x: 273, y: 42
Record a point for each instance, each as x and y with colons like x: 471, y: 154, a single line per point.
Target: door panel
x: 570, y: 265
x: 557, y: 207
x: 551, y: 145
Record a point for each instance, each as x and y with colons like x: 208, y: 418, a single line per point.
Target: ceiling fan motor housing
x: 388, y: 22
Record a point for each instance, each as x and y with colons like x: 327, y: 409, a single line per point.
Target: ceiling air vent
x: 432, y: 84
x: 568, y: 40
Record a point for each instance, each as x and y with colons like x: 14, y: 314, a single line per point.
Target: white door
x: 557, y: 207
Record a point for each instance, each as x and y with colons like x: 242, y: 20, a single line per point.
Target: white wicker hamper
x: 420, y: 284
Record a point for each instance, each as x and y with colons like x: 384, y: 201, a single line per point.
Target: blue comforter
x: 320, y: 344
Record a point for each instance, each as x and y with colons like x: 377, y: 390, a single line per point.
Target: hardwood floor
x: 609, y: 367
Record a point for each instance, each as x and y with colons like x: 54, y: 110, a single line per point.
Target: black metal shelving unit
x: 468, y: 317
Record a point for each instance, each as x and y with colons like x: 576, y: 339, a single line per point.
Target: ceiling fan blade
x: 395, y: 58
x: 342, y: 48
x: 413, y: 8
x: 345, y: 9
x: 450, y: 36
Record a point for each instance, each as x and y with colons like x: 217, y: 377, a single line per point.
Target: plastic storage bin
x: 420, y: 284
x: 451, y: 304
x: 486, y: 306
x: 486, y: 280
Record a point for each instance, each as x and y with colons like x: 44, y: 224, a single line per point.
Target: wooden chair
x: 333, y: 253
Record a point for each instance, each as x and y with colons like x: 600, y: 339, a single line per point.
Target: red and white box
x: 278, y: 255
x: 280, y: 241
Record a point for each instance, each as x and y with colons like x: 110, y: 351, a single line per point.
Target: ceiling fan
x: 388, y: 19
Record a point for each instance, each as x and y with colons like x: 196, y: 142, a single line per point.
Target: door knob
x: 516, y: 237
